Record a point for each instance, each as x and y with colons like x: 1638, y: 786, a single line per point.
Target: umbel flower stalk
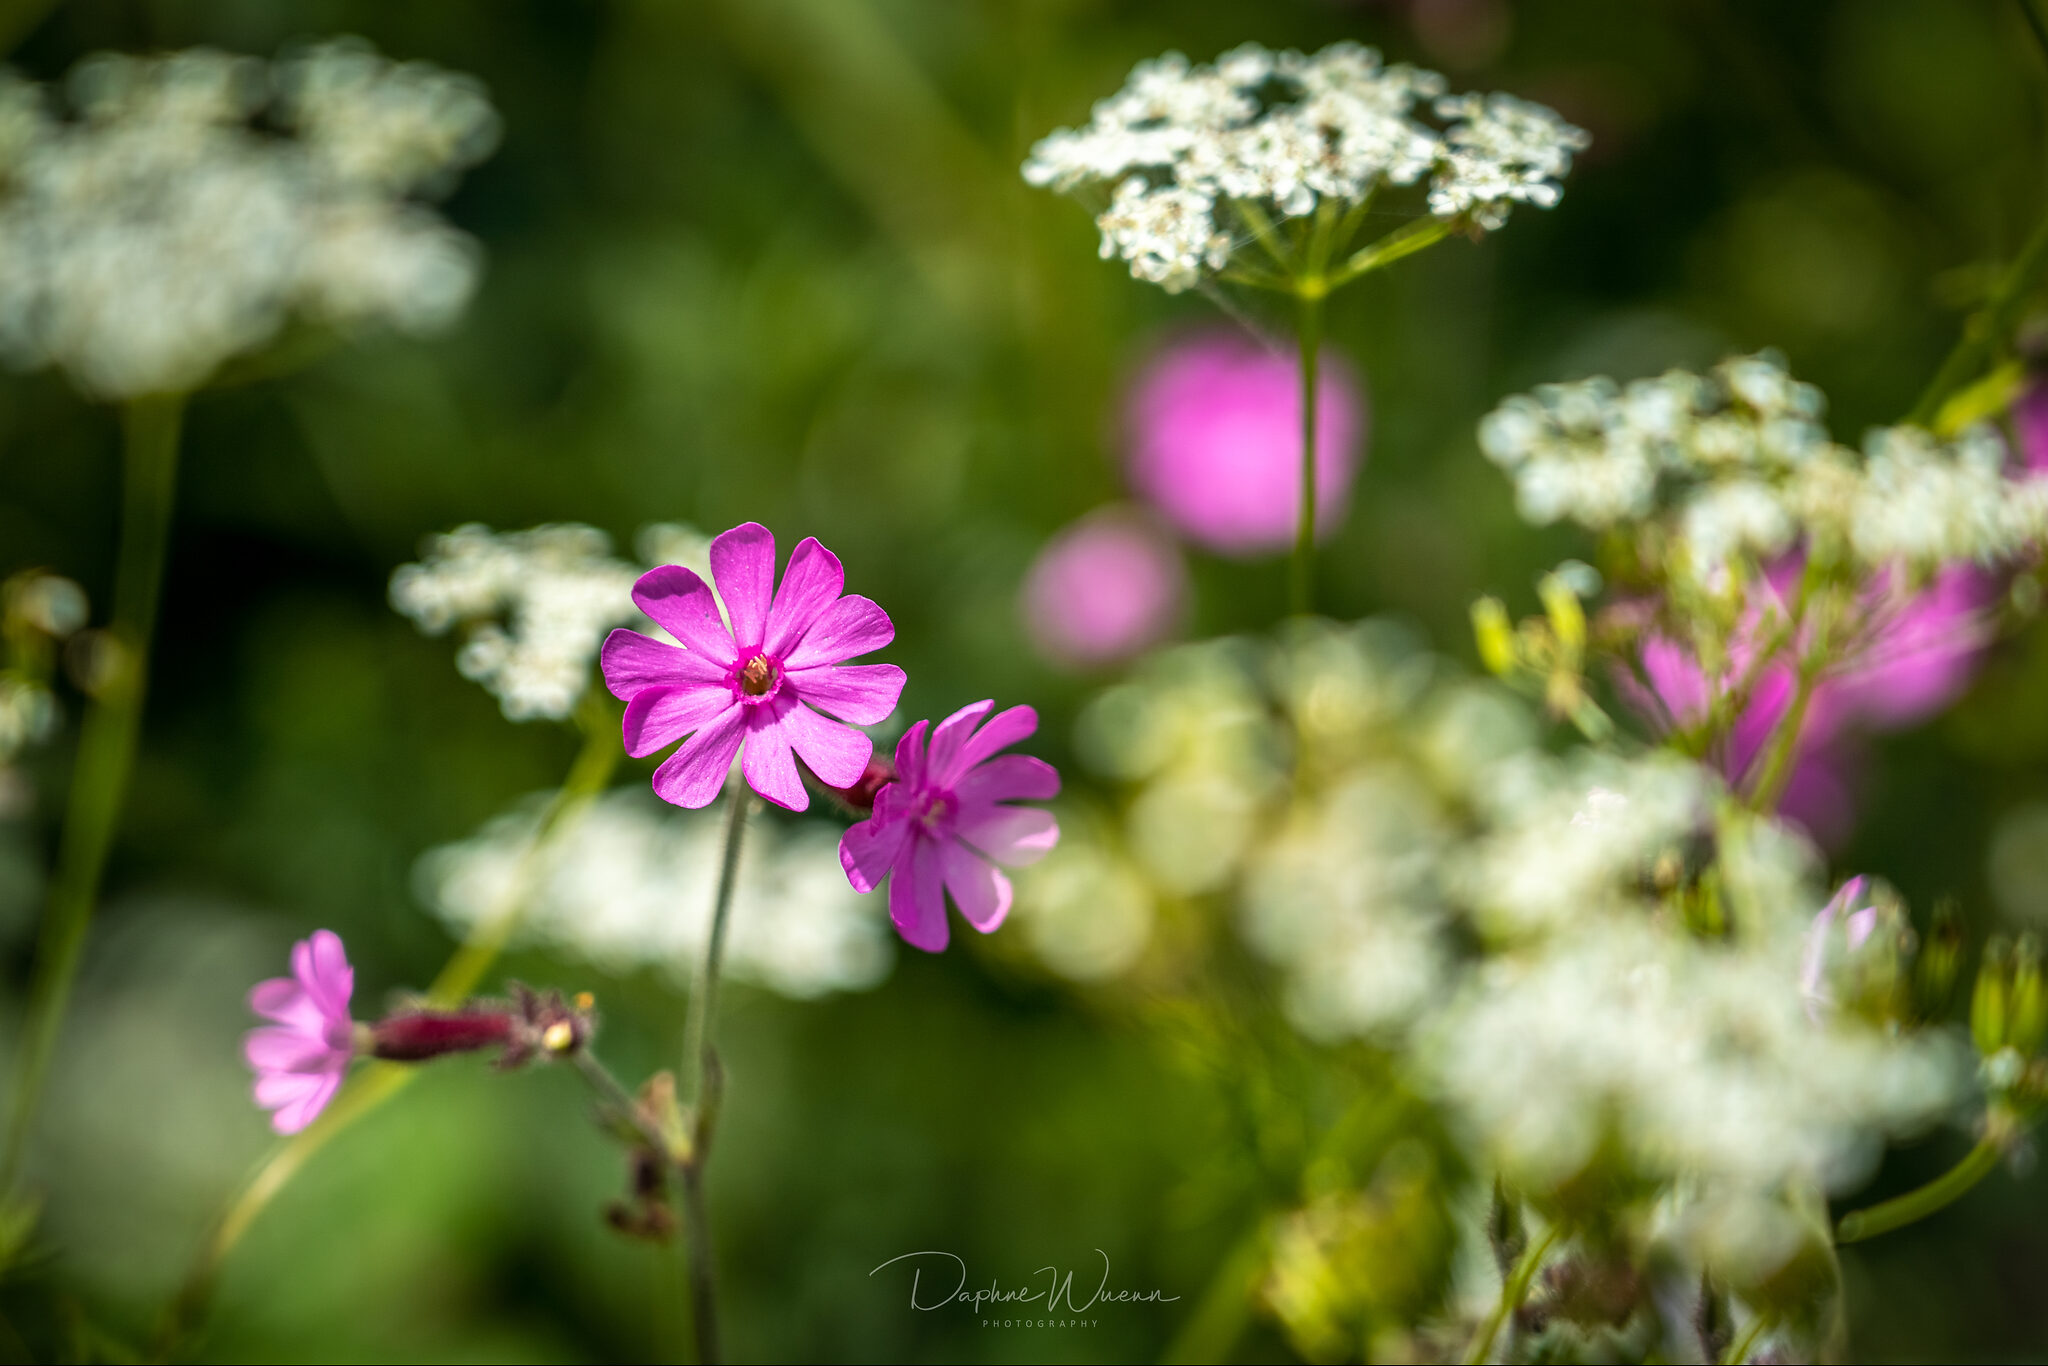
x: 1288, y: 152
x: 106, y: 749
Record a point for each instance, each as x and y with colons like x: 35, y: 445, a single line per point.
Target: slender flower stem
x: 106, y: 749
x: 1309, y: 295
x: 1403, y: 241
x: 1751, y: 1335
x: 700, y: 1063
x: 1512, y: 1292
x: 589, y: 774
x: 1939, y: 1193
x: 1986, y: 330
x: 1778, y: 762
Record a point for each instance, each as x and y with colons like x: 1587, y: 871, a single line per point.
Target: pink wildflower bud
x: 417, y: 1035
x: 860, y: 797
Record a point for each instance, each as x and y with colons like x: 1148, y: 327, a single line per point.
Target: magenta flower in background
x: 301, y: 1059
x: 1914, y: 654
x: 759, y: 685
x: 2030, y: 424
x: 943, y: 825
x: 1104, y: 589
x: 1215, y: 441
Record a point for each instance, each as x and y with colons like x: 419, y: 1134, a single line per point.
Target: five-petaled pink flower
x: 942, y: 825
x: 301, y: 1059
x: 756, y: 683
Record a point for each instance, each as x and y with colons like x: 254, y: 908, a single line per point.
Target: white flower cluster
x: 1180, y: 143
x: 630, y: 884
x: 1739, y: 464
x: 534, y: 606
x: 1583, y: 959
x: 1696, y: 1059
x: 195, y: 204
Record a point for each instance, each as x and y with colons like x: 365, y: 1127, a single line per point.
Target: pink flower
x: 1104, y: 589
x: 2030, y: 424
x: 1855, y: 926
x: 300, y: 1060
x: 942, y: 826
x: 756, y: 683
x: 1215, y: 429
x: 1910, y: 655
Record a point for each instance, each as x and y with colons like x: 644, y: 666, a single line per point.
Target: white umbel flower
x: 1737, y: 466
x: 630, y: 886
x: 196, y: 204
x: 534, y: 607
x: 1185, y: 148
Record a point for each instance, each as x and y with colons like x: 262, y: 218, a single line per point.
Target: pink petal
x: 1676, y: 680
x: 682, y: 605
x: 1004, y: 729
x: 910, y: 752
x: 1015, y: 836
x: 870, y: 849
x: 333, y: 981
x: 948, y: 737
x: 282, y: 1088
x: 632, y: 662
x: 836, y: 753
x: 861, y: 693
x: 917, y: 898
x: 811, y: 583
x: 303, y: 1111
x: 275, y: 1048
x: 693, y: 775
x: 743, y: 563
x: 770, y: 768
x: 661, y: 716
x: 846, y: 629
x: 981, y: 892
x: 284, y: 1000
x: 1008, y: 778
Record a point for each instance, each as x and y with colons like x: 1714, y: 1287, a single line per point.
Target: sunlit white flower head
x: 1698, y: 1058
x: 628, y: 886
x: 534, y: 607
x: 1187, y: 148
x: 1740, y: 467
x: 191, y: 206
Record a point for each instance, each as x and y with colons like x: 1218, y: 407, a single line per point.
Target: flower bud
x: 2029, y: 1007
x: 859, y: 799
x: 1940, y: 957
x: 1989, y: 1003
x: 1567, y: 615
x: 1495, y: 636
x: 412, y: 1035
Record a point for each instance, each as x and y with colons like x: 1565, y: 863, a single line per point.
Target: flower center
x: 937, y: 808
x: 758, y: 677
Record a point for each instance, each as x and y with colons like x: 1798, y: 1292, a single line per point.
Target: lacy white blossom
x: 193, y: 205
x: 534, y: 607
x: 1186, y: 146
x: 1698, y: 1058
x: 1738, y: 463
x: 630, y: 885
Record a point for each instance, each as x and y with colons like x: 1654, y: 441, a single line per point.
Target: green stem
x: 1778, y: 761
x: 1986, y: 330
x: 588, y: 776
x: 1309, y: 295
x: 1220, y: 1315
x: 1512, y: 1292
x: 1942, y: 1191
x: 1403, y: 241
x: 1746, y: 1344
x: 700, y: 1062
x: 106, y: 750
x: 1262, y: 229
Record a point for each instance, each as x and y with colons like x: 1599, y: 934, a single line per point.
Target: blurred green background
x: 771, y: 259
